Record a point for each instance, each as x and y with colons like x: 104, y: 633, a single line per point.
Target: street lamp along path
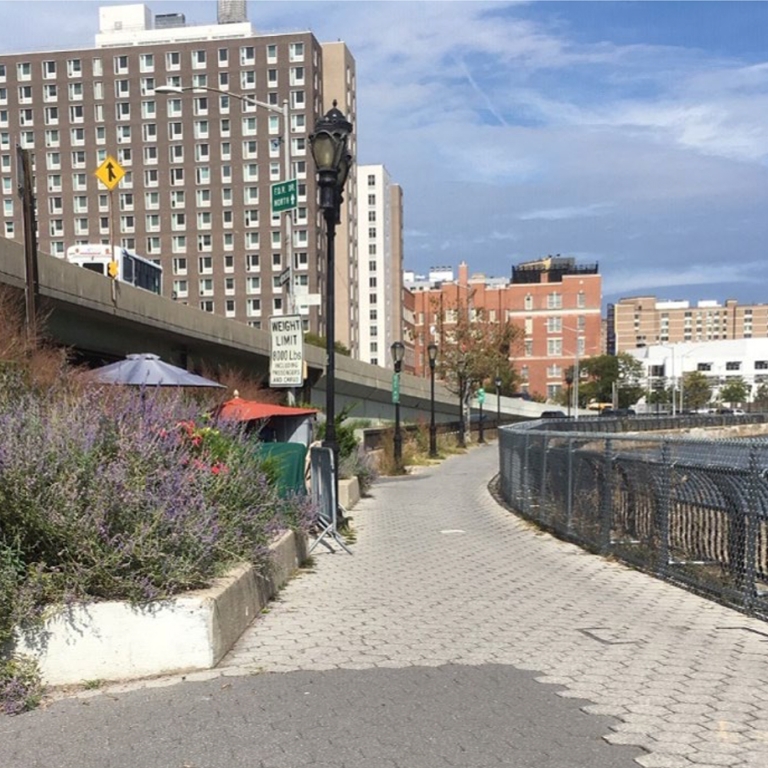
x: 329, y: 144
x: 432, y: 353
x: 398, y: 353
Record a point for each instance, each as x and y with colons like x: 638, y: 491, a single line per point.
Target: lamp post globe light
x: 398, y: 353
x: 329, y: 145
x: 432, y: 355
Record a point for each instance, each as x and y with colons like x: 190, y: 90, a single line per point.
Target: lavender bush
x: 121, y: 495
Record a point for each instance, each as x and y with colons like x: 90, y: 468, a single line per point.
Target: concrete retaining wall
x: 117, y: 641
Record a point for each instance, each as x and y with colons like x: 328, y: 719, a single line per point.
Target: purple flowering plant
x: 120, y: 494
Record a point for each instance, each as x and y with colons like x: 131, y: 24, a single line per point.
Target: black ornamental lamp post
x: 329, y: 144
x: 497, y: 382
x: 432, y: 354
x: 398, y: 353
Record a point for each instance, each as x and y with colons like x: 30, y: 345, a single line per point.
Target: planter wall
x: 116, y: 641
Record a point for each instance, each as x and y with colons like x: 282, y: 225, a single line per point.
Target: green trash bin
x: 289, y: 460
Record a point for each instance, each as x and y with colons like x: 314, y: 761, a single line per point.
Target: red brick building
x: 555, y: 302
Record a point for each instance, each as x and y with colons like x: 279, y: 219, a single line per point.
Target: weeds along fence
x: 691, y: 511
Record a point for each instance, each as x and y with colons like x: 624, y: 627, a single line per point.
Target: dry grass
x: 39, y: 363
x: 415, y: 450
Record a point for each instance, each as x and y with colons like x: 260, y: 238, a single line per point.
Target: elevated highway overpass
x: 81, y: 312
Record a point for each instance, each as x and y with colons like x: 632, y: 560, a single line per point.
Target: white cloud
x: 572, y: 212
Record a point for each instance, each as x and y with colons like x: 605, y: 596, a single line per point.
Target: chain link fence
x: 691, y: 510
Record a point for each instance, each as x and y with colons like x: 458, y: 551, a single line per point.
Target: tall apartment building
x: 554, y: 301
x: 198, y: 165
x: 642, y: 321
x: 380, y: 241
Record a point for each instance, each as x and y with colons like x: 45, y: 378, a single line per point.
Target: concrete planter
x: 117, y: 641
x: 349, y: 492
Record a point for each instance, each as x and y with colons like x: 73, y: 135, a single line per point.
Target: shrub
x: 20, y: 686
x: 345, y: 434
x: 360, y: 464
x: 120, y: 495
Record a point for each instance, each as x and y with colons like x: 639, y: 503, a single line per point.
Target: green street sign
x: 395, y: 388
x: 284, y: 195
x: 481, y: 396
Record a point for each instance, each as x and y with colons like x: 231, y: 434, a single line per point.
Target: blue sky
x: 630, y: 134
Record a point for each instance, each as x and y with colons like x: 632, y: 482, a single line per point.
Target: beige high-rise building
x: 198, y: 164
x: 644, y: 321
x: 339, y: 85
x: 380, y: 203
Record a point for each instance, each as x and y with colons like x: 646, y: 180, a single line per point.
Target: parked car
x: 617, y: 412
x: 553, y: 415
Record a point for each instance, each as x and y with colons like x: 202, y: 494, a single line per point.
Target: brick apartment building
x: 196, y: 193
x: 555, y: 302
x: 643, y: 321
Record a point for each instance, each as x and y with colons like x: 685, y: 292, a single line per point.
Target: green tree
x: 761, y: 395
x: 473, y: 351
x: 695, y: 390
x: 320, y: 341
x: 601, y: 373
x: 736, y: 390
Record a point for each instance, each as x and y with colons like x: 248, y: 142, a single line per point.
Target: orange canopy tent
x: 238, y: 409
x: 280, y: 423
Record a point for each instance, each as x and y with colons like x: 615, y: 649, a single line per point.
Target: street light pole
x: 332, y: 161
x: 432, y: 353
x: 497, y: 382
x: 398, y: 352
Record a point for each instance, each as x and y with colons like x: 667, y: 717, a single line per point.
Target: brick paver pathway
x: 456, y: 635
x: 444, y: 575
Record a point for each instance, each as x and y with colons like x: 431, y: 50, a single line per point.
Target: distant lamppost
x: 569, y: 383
x: 398, y: 352
x: 480, y: 400
x: 332, y: 161
x: 497, y: 382
x: 432, y: 353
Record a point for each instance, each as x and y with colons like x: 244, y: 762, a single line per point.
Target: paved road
x: 456, y: 635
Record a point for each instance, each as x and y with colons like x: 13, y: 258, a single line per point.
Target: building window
x: 296, y: 51
x: 554, y: 301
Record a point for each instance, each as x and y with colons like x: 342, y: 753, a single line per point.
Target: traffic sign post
x: 286, y: 359
x: 110, y: 172
x: 285, y: 196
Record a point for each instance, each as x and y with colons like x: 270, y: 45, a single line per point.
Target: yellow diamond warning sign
x: 110, y: 172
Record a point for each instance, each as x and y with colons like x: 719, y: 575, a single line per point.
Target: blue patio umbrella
x: 148, y: 370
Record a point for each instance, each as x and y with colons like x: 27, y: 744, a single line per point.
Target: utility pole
x: 31, y: 276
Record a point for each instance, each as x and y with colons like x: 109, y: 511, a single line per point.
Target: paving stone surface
x: 455, y: 635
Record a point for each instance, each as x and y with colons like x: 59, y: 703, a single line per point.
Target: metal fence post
x: 750, y: 534
x: 569, y: 490
x: 543, y: 481
x: 524, y: 504
x: 606, y: 498
x: 662, y: 510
